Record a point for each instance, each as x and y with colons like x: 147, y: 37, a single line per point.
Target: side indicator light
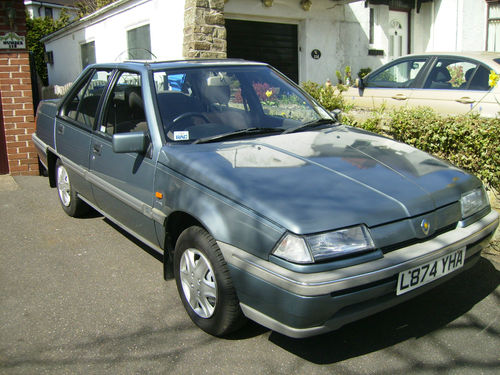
x: 158, y: 195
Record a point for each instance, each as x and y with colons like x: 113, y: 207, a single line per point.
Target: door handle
x: 60, y: 129
x: 400, y: 97
x: 465, y: 100
x: 96, y: 149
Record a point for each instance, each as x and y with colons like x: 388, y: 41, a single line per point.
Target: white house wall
x: 340, y: 32
x: 109, y: 32
x: 456, y: 25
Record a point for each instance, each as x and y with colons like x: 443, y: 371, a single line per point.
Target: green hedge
x: 467, y: 141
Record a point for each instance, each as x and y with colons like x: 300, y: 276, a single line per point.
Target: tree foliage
x: 86, y: 7
x: 36, y: 29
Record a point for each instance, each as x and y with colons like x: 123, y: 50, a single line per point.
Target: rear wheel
x: 70, y: 202
x: 204, y: 283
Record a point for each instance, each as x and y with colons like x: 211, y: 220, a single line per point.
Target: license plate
x: 426, y: 273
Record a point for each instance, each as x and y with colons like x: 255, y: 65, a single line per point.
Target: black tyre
x: 70, y: 202
x: 204, y: 283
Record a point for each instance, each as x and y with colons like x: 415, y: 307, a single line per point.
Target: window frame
x: 83, y: 83
x: 129, y: 48
x: 105, y: 102
x: 417, y: 82
x: 488, y: 20
x: 438, y: 58
x: 82, y: 45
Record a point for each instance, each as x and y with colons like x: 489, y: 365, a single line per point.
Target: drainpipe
x: 433, y: 20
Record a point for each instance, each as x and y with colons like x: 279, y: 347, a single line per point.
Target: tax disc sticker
x: 181, y: 136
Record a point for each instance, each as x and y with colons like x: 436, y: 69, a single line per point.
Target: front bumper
x: 306, y: 304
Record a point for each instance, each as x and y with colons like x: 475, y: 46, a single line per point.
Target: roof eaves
x: 86, y: 19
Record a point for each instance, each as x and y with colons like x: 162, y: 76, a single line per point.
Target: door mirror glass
x: 130, y: 142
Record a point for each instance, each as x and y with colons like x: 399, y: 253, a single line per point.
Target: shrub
x: 330, y: 97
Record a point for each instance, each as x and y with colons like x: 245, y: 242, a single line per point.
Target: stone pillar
x: 204, y: 31
x: 17, y: 152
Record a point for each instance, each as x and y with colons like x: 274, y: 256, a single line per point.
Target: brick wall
x: 16, y: 101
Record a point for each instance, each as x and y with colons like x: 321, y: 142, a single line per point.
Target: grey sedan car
x: 263, y: 205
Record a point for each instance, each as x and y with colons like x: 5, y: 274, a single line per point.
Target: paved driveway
x: 77, y: 296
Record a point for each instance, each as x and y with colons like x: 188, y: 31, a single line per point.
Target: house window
x: 48, y: 13
x: 139, y: 43
x: 372, y: 26
x: 88, y: 54
x: 493, y: 27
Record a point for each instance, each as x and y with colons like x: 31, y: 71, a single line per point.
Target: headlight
x: 323, y: 246
x: 473, y: 201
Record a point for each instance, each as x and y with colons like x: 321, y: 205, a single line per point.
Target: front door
x: 122, y: 183
x: 398, y: 34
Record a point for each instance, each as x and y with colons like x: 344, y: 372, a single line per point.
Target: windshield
x: 203, y: 103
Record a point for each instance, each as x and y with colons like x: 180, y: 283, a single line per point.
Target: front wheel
x: 70, y: 202
x: 204, y: 283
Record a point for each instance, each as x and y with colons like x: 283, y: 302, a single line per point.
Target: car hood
x: 316, y: 181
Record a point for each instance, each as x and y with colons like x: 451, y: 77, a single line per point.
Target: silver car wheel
x: 63, y: 186
x: 198, y: 282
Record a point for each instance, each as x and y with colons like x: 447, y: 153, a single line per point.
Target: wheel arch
x: 175, y: 224
x: 51, y: 167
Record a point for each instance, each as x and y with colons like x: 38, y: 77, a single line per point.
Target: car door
x: 122, y: 183
x: 74, y: 125
x: 392, y: 85
x: 457, y: 85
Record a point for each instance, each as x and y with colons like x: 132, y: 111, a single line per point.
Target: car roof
x: 174, y: 64
x: 491, y: 59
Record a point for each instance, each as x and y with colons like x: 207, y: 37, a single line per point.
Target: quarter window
x: 82, y: 106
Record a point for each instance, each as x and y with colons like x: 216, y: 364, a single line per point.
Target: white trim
x: 139, y: 24
x: 94, y: 18
x: 48, y: 5
x: 258, y: 18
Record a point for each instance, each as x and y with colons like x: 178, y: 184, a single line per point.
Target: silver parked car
x: 449, y: 83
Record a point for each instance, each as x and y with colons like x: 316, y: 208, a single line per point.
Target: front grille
x: 413, y: 241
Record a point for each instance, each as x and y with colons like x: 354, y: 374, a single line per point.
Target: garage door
x: 272, y: 43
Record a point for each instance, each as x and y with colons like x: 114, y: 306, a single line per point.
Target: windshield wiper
x: 238, y: 133
x: 311, y: 124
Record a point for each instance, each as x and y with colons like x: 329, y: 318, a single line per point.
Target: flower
x: 269, y: 93
x: 493, y: 78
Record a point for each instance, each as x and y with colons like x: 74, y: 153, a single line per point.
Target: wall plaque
x: 11, y: 40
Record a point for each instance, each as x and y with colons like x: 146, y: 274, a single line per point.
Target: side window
x: 82, y: 106
x: 453, y: 74
x: 399, y: 75
x: 125, y: 107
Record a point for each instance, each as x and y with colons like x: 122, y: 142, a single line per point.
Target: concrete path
x: 77, y: 296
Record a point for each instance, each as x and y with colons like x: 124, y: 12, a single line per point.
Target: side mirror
x: 130, y: 142
x: 361, y: 86
x: 336, y: 114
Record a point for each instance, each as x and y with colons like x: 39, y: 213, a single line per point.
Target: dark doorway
x: 272, y: 43
x: 4, y: 163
